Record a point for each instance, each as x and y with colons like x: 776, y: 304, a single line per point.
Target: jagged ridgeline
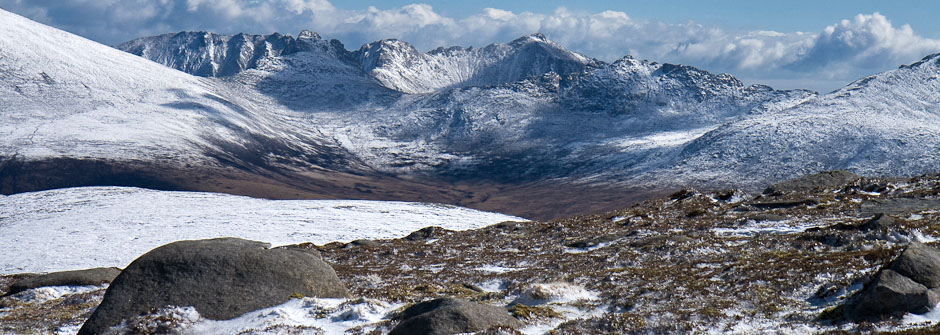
x: 525, y: 127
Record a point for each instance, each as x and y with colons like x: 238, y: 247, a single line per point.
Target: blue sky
x: 820, y: 45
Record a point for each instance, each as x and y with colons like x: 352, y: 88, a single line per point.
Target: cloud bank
x: 822, y: 60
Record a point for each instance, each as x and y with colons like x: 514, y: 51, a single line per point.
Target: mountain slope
x: 65, y: 96
x: 885, y: 124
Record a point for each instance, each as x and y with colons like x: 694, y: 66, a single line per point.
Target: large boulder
x: 891, y: 294
x: 910, y: 284
x: 96, y: 276
x: 920, y: 263
x: 221, y: 278
x: 446, y: 316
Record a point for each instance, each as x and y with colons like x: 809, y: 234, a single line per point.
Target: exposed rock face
x: 451, y: 316
x: 96, y: 276
x: 906, y: 285
x: 221, y: 278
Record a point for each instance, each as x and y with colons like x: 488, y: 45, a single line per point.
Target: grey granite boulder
x: 452, y: 316
x: 221, y: 278
x: 891, y: 294
x: 920, y: 263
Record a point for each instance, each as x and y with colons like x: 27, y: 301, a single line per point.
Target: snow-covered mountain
x: 280, y: 116
x: 885, y: 124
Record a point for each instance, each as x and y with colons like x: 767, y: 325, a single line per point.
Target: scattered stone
x: 897, y: 206
x: 364, y: 243
x: 221, y: 278
x: 424, y: 233
x: 812, y: 183
x: 921, y: 263
x: 880, y: 222
x: 891, y: 294
x: 594, y: 241
x: 452, y: 316
x: 683, y: 194
x: 763, y: 205
x: 96, y: 276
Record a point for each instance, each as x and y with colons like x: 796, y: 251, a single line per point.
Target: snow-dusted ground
x: 87, y: 227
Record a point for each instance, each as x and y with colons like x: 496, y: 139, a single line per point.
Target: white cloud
x: 839, y: 53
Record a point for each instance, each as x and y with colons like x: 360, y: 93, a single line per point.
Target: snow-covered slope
x: 65, y: 96
x: 86, y: 227
x: 885, y: 124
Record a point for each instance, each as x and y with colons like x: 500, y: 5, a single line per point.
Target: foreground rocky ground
x: 799, y: 258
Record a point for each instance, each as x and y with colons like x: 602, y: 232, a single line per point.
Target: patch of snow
x: 767, y: 227
x: 47, y: 293
x: 492, y: 285
x: 588, y: 249
x: 87, y: 227
x: 932, y: 317
x: 331, y: 316
x: 920, y: 237
x: 553, y: 293
x: 496, y: 269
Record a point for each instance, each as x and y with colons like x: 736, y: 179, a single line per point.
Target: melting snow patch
x: 767, y: 227
x: 43, y: 294
x: 931, y: 317
x: 331, y: 316
x: 496, y: 269
x: 554, y: 293
x: 920, y: 237
x: 492, y: 285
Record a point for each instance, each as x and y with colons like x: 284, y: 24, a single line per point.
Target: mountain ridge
x: 307, y: 120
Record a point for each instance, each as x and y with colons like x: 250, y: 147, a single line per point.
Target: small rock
x: 364, y: 243
x: 221, y: 278
x: 96, y: 276
x: 783, y: 204
x: 880, y: 222
x: 424, y: 233
x: 897, y: 206
x: 921, y: 263
x: 451, y: 316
